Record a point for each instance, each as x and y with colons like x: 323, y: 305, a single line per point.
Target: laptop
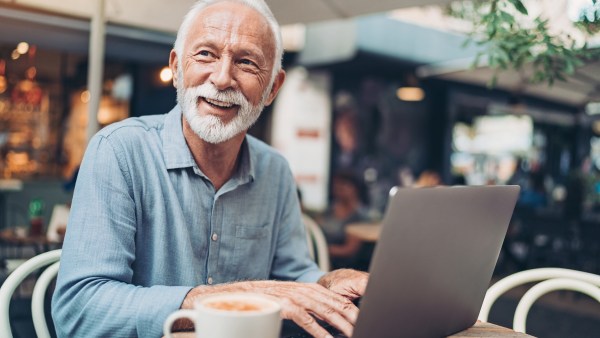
x: 433, y: 261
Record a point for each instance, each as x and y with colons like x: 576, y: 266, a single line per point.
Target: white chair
x: 552, y: 279
x: 316, y: 241
x: 39, y: 291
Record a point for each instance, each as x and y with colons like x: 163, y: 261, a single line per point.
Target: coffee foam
x: 240, y: 303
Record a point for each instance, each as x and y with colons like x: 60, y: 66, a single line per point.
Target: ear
x: 279, y: 79
x: 173, y: 64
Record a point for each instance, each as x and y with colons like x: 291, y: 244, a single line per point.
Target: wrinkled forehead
x: 236, y: 22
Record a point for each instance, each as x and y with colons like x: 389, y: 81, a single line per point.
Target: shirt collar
x: 177, y: 154
x: 175, y: 150
x: 245, y: 172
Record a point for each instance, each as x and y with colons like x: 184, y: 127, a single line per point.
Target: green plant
x: 511, y: 40
x: 589, y: 19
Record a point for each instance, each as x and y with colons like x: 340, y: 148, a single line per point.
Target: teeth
x: 219, y: 103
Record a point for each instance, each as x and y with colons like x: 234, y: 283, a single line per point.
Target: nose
x: 222, y: 76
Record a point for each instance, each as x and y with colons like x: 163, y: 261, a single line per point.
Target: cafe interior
x: 377, y: 95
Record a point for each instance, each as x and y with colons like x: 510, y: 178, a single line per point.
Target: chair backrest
x: 316, y: 242
x: 552, y: 279
x: 37, y: 300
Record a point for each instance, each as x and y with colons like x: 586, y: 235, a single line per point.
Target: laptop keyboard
x: 291, y: 330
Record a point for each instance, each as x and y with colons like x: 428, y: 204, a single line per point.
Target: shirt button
x: 209, y: 280
x: 214, y: 237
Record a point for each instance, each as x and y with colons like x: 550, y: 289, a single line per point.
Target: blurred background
x: 378, y: 94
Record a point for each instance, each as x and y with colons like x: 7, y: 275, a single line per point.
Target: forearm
x: 102, y: 308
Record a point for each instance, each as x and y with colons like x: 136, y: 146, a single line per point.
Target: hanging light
x: 410, y: 91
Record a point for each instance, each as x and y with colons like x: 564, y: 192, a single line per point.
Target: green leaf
x: 475, y: 63
x: 569, y: 66
x: 519, y: 6
x: 506, y: 17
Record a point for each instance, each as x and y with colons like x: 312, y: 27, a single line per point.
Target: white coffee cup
x: 231, y: 315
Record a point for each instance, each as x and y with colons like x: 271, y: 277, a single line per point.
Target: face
x: 224, y: 77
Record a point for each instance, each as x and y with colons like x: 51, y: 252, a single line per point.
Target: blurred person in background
x: 170, y: 208
x: 428, y: 178
x: 533, y: 194
x: 349, y: 205
x: 347, y: 155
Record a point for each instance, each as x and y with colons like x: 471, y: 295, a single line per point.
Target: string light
x: 85, y: 96
x: 166, y: 74
x: 22, y: 48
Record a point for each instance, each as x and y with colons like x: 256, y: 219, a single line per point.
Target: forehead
x: 231, y: 22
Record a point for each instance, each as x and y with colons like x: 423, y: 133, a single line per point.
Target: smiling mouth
x: 218, y: 104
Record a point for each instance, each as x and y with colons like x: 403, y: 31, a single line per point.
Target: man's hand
x: 300, y: 302
x: 348, y: 283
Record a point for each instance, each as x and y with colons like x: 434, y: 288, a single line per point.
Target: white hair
x: 259, y: 5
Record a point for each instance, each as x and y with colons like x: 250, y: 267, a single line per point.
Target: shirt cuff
x: 311, y: 277
x: 158, y: 303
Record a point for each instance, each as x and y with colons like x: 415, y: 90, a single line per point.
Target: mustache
x: 209, y: 91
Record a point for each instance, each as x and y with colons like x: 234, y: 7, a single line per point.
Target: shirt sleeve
x: 94, y: 295
x: 292, y: 259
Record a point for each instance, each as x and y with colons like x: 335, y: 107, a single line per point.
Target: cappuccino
x: 234, y: 305
x: 231, y: 315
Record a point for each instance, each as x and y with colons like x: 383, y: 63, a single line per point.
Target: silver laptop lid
x: 434, y: 260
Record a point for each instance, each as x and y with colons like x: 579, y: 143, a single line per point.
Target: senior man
x: 172, y: 207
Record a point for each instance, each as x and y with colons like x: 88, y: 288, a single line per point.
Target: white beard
x: 210, y: 128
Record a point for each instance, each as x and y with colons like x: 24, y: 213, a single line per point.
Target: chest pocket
x: 252, y: 252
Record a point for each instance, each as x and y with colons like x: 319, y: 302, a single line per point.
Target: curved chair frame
x: 37, y: 302
x: 316, y: 240
x: 553, y: 279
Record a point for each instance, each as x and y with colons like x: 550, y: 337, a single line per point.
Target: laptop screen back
x: 434, y: 260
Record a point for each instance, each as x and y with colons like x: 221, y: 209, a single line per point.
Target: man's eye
x: 204, y: 53
x: 247, y: 62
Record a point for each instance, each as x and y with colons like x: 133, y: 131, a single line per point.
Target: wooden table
x: 39, y: 243
x: 483, y: 329
x: 367, y: 232
x: 480, y: 330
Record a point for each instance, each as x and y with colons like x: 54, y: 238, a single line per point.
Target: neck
x: 217, y: 161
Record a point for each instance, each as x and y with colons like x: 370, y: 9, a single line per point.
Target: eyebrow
x: 244, y: 51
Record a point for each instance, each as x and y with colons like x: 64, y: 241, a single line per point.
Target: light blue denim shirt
x: 146, y: 226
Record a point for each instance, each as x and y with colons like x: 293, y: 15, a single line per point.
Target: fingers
x: 346, y: 282
x: 303, y: 302
x: 308, y: 322
x: 340, y: 304
x: 303, y: 319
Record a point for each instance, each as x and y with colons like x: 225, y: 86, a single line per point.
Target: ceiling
x: 294, y: 11
x: 166, y: 15
x: 579, y: 89
x: 144, y: 30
